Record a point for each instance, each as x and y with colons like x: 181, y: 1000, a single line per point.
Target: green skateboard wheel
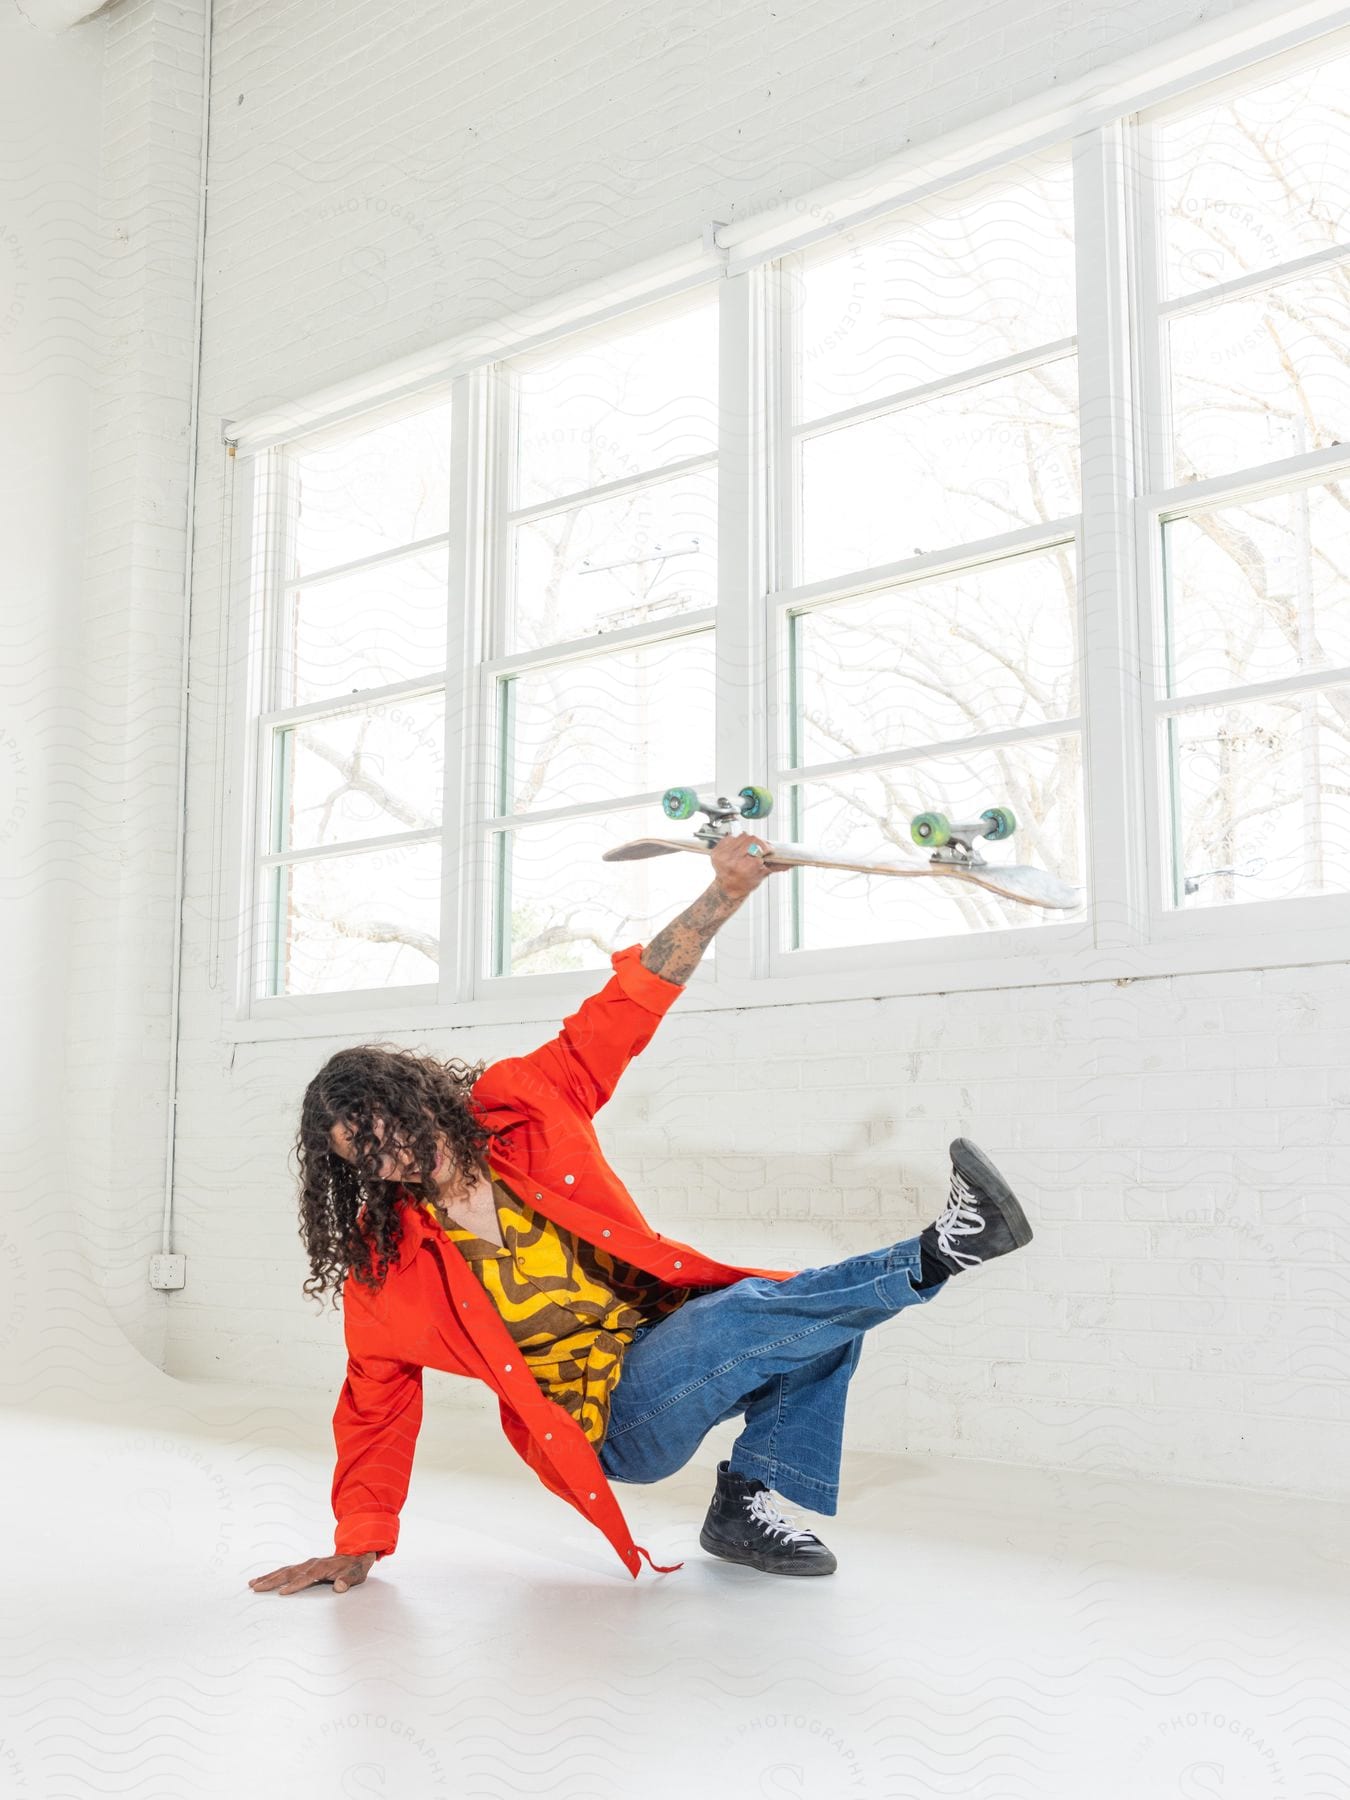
x: 679, y: 803
x: 1004, y: 823
x: 756, y: 802
x: 931, y: 828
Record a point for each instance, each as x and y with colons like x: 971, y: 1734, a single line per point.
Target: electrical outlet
x: 168, y: 1272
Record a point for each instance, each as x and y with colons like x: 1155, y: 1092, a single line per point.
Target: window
x: 602, y: 691
x: 932, y: 521
x: 1249, y: 239
x: 351, y: 746
x: 1034, y: 492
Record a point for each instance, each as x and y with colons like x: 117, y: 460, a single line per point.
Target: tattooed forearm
x: 674, y: 951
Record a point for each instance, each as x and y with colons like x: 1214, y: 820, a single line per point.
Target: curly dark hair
x: 348, y: 1210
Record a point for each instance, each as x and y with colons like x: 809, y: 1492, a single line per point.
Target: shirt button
x: 605, y: 1233
x: 539, y: 1196
x: 569, y: 1178
x: 507, y: 1368
x: 548, y: 1437
x: 592, y: 1496
x: 679, y: 1265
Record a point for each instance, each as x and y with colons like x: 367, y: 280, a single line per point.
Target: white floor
x: 992, y: 1633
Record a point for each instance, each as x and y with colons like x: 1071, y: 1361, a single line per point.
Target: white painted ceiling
x: 60, y: 15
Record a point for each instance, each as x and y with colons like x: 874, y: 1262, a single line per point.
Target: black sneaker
x: 744, y: 1526
x: 981, y: 1214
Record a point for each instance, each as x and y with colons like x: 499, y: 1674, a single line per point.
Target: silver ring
x: 753, y: 850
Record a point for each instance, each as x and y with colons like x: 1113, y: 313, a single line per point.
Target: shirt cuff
x: 640, y: 984
x: 363, y: 1531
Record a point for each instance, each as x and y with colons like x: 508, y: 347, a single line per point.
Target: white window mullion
x: 782, y: 561
x: 917, y: 753
x: 1256, y: 282
x: 477, y: 875
x: 608, y: 490
x: 267, y: 883
x: 463, y: 629
x: 1113, y: 749
x: 277, y: 680
x: 314, y: 853
x: 1153, y: 409
x: 1153, y: 384
x: 783, y: 565
x: 1311, y: 681
x: 600, y: 643
x: 256, y: 479
x: 962, y: 382
x: 283, y: 488
x: 361, y: 701
x: 948, y: 559
x: 363, y: 564
x: 741, y: 717
x: 1309, y: 468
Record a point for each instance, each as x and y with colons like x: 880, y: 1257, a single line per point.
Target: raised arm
x: 738, y: 869
x: 599, y: 1040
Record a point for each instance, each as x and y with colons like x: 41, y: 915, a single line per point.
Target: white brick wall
x: 131, y: 642
x: 49, y: 99
x: 384, y: 176
x: 1182, y: 1312
x: 98, y: 197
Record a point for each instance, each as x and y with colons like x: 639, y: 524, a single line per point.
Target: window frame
x: 977, y: 947
x: 1131, y: 933
x: 1315, y: 923
x: 271, y: 527
x: 500, y: 400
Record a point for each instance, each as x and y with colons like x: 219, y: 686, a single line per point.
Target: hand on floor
x: 343, y: 1571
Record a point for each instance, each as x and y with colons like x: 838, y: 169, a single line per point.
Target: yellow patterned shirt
x: 571, y: 1309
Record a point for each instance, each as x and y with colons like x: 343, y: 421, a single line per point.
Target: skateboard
x: 955, y: 848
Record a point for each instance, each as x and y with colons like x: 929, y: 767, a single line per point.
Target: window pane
x: 360, y: 774
x: 1263, y: 377
x: 597, y: 567
x: 372, y: 492
x: 566, y: 909
x: 1261, y: 796
x: 971, y: 275
x: 358, y: 631
x: 1259, y: 591
x: 971, y: 465
x: 364, y: 921
x: 1256, y: 179
x: 985, y: 650
x: 611, y: 725
x: 634, y: 399
x: 868, y: 813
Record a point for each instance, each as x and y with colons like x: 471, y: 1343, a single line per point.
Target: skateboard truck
x: 683, y: 803
x: 954, y: 855
x: 959, y: 843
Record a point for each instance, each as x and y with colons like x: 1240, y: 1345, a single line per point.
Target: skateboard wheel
x: 1003, y: 822
x: 679, y: 803
x: 931, y: 828
x: 756, y: 802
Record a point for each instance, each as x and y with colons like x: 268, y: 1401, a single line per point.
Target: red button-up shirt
x: 431, y: 1313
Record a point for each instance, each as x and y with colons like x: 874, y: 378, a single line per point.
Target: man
x: 470, y: 1221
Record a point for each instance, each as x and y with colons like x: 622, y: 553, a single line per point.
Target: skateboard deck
x: 1014, y: 881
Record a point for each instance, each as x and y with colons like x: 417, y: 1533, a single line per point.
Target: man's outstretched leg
x: 782, y: 1353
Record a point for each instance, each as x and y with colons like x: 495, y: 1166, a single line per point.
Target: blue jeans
x: 781, y: 1352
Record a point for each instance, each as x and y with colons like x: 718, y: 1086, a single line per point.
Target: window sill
x: 1269, y: 935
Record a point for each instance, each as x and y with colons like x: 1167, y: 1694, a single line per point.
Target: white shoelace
x: 763, y: 1511
x: 959, y: 1218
